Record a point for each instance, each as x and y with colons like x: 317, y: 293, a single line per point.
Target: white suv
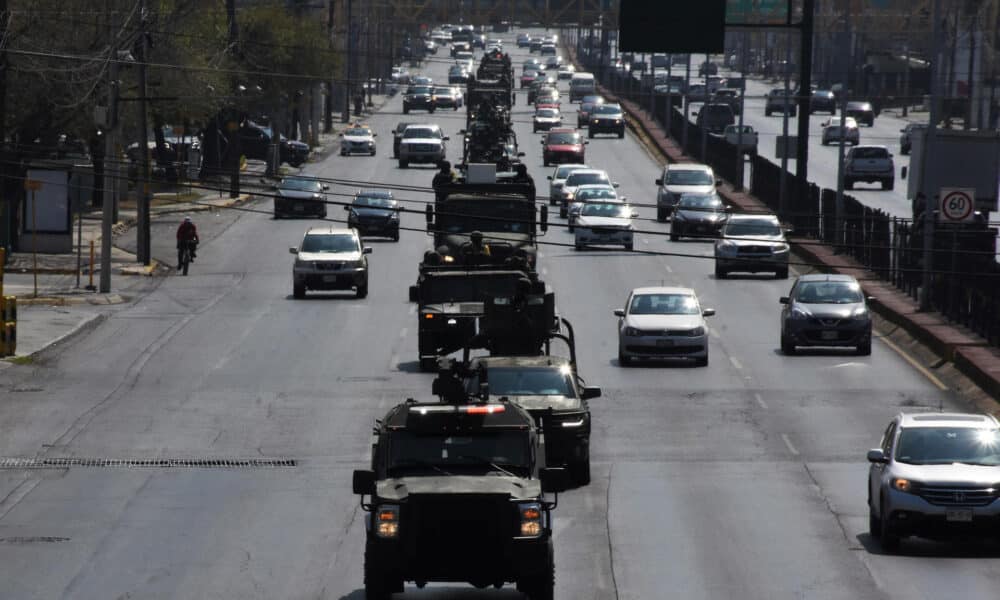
x: 934, y: 475
x: 330, y: 258
x: 679, y: 178
x: 871, y: 164
x: 422, y: 143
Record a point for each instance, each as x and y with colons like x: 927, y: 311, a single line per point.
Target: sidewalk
x: 971, y: 354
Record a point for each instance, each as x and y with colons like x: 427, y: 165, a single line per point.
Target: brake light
x: 487, y: 409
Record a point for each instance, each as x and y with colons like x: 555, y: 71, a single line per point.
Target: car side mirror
x: 590, y: 392
x: 366, y: 250
x: 783, y: 300
x: 549, y: 177
x: 293, y: 250
x: 414, y: 293
x: 363, y: 482
x: 635, y: 214
x: 374, y: 135
x: 619, y: 312
x: 325, y: 187
x: 708, y: 312
x: 875, y: 455
x: 341, y: 135
x: 659, y: 181
x: 348, y: 207
x: 718, y: 182
x: 520, y: 154
x: 554, y: 479
x: 614, y: 183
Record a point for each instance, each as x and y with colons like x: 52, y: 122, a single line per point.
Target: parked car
x: 871, y: 164
x: 934, y: 475
x: 833, y: 132
x: 359, y: 138
x: 825, y: 310
x: 907, y: 133
x: 662, y: 322
x: 300, y: 197
x: 562, y: 145
x: 862, y: 112
x: 330, y: 258
x: 681, y: 178
x: 374, y: 212
x: 698, y: 214
x: 823, y: 100
x: 546, y: 117
x: 751, y: 243
x: 779, y: 101
x: 604, y: 224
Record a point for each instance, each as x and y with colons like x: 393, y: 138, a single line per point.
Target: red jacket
x: 187, y: 231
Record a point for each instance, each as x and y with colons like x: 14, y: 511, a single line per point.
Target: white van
x: 580, y: 85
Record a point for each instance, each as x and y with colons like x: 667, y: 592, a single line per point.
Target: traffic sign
x: 958, y: 205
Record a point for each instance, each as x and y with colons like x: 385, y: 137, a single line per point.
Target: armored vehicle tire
x: 661, y: 215
x: 378, y: 585
x: 580, y: 470
x: 298, y: 291
x: 543, y: 585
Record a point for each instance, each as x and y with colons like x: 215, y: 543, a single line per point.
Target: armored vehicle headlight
x: 387, y: 522
x: 531, y: 520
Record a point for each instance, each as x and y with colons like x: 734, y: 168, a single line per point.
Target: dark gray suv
x: 826, y: 311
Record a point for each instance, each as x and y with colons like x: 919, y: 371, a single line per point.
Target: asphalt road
x: 743, y: 479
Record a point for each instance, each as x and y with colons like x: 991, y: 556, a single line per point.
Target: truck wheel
x: 580, y: 469
x: 543, y: 586
x: 661, y: 215
x: 377, y: 584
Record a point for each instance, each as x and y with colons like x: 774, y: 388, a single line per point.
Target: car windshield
x: 664, y: 304
x: 576, y: 179
x: 605, y: 209
x: 948, y: 445
x: 442, y: 91
x: 358, y: 131
x: 531, y: 74
x: 858, y: 106
x: 546, y: 112
x: 562, y: 138
x: 747, y: 227
x: 607, y: 109
x: 402, y: 127
x: 374, y: 202
x: 330, y: 242
x: 564, y: 171
x: 301, y: 185
x: 509, y: 381
x: 828, y: 292
x: 420, y: 89
x: 449, y: 452
x: 700, y: 202
x: 689, y: 178
x: 421, y: 132
x: 870, y: 153
x: 603, y: 193
x: 593, y: 100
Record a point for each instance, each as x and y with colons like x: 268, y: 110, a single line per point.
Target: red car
x: 563, y: 145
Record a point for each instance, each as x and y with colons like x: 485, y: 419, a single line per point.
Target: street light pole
x: 932, y: 198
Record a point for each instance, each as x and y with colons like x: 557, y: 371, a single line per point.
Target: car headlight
x: 632, y: 331
x: 799, y: 313
x: 531, y: 519
x: 905, y: 485
x: 595, y: 121
x: 617, y: 121
x: 779, y: 248
x: 394, y: 216
x: 726, y: 248
x: 678, y: 216
x: 861, y: 314
x: 387, y: 522
x: 697, y: 331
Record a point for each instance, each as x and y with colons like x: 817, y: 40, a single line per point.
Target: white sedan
x: 357, y: 139
x: 662, y: 322
x: 604, y: 224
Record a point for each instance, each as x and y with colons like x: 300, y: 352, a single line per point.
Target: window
x: 421, y: 132
x: 761, y: 227
x: 336, y: 242
x: 664, y: 304
x: 529, y: 382
x: 300, y: 185
x: 828, y: 292
x: 947, y: 445
x: 689, y: 177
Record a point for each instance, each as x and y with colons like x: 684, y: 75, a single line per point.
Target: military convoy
x: 463, y: 488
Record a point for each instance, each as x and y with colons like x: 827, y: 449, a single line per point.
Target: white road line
x: 667, y: 267
x: 402, y: 333
x: 788, y: 443
x: 760, y: 401
x: 645, y: 241
x: 393, y: 361
x: 735, y: 362
x: 413, y: 309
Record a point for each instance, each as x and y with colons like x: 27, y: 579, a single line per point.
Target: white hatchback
x: 662, y: 322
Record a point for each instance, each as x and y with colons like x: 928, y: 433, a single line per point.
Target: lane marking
x: 393, y: 361
x: 788, y: 443
x: 667, y: 267
x: 913, y: 363
x: 402, y: 333
x: 645, y: 241
x: 736, y: 363
x: 413, y: 309
x: 760, y: 400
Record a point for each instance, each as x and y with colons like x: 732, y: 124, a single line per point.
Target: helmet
x: 476, y: 237
x: 443, y: 165
x: 187, y: 219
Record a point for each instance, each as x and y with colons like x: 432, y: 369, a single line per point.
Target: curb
x: 83, y: 327
x: 75, y: 300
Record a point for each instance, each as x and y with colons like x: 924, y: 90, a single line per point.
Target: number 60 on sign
x: 958, y: 205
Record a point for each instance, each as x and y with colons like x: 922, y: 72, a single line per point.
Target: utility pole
x: 346, y: 116
x: 142, y: 196
x: 932, y: 199
x: 787, y: 105
x: 805, y: 99
x: 328, y: 101
x: 110, y: 159
x: 839, y: 206
x: 234, y: 131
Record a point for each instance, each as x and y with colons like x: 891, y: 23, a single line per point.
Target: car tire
x: 431, y: 110
x: 395, y: 236
x: 534, y: 130
x: 833, y: 111
x: 406, y: 109
x: 865, y: 348
x: 562, y: 213
x: 874, y: 524
x: 578, y: 247
x: 590, y: 133
x: 720, y: 273
x: 888, y: 538
x: 629, y: 247
x: 570, y: 228
x: 767, y: 112
x: 889, y: 185
x: 455, y: 107
x: 825, y: 142
x: 621, y: 134
x: 373, y: 153
x: 362, y: 291
x: 701, y: 362
x: 298, y: 291
x: 787, y: 347
x: 781, y: 273
x: 343, y: 152
x: 674, y: 236
x: 848, y: 184
x: 661, y: 215
x: 403, y: 163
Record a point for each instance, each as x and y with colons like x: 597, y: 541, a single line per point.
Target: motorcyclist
x: 187, y: 233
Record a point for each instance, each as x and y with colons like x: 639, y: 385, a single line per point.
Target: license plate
x: 828, y: 335
x: 664, y: 343
x: 329, y: 278
x: 960, y: 515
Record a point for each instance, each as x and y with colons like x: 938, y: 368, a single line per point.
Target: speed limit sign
x: 958, y: 205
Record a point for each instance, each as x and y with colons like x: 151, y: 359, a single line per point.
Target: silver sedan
x: 663, y: 322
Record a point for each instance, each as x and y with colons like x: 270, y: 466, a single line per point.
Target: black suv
x: 420, y: 96
x: 823, y: 100
x: 862, y: 112
x: 456, y: 492
x: 606, y: 118
x: 374, y: 212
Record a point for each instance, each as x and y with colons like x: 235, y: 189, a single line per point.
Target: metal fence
x: 965, y: 282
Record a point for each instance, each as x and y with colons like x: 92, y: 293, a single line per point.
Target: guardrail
x: 965, y: 282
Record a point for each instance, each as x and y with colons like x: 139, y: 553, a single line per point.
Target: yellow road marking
x: 913, y: 363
